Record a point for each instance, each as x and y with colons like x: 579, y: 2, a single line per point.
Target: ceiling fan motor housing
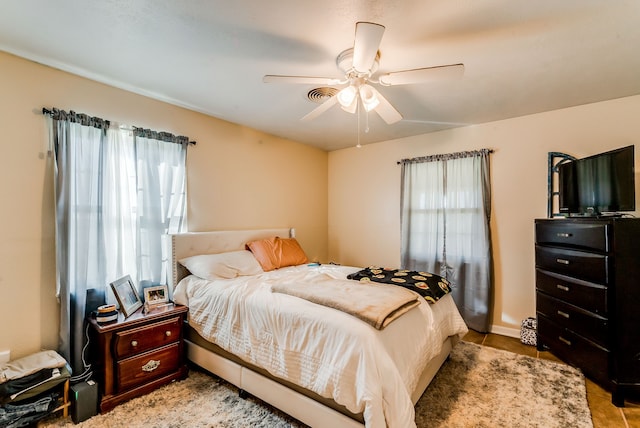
x: 344, y: 61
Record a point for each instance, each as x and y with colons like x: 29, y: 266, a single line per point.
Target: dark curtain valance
x: 161, y: 136
x: 448, y: 156
x: 97, y: 122
x: 81, y: 118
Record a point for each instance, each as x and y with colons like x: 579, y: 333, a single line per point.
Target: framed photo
x: 156, y: 295
x: 126, y: 295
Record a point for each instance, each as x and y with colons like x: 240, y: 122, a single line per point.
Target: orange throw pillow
x: 274, y: 253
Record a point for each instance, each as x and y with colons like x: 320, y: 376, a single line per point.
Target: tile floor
x: 603, y: 413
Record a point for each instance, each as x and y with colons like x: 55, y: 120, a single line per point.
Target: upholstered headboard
x: 214, y: 242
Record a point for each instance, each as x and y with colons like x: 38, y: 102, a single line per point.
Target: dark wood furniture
x: 136, y: 355
x: 588, y: 297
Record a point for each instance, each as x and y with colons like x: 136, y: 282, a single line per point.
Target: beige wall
x: 364, y: 189
x: 238, y: 178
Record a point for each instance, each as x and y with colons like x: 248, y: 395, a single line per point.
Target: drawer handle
x: 134, y: 343
x: 563, y: 314
x: 151, y: 366
x: 563, y: 261
x: 562, y: 287
x: 563, y: 235
x: 565, y: 341
x: 167, y: 333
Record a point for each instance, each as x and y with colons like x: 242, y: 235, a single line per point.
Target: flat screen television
x: 598, y: 185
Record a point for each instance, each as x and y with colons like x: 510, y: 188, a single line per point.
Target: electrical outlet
x: 5, y: 356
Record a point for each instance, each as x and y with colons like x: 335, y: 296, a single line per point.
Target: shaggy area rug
x: 477, y: 387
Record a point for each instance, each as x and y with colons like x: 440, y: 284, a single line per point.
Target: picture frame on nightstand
x: 156, y: 295
x: 126, y: 295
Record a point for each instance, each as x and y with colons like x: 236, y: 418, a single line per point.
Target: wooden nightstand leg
x: 65, y: 398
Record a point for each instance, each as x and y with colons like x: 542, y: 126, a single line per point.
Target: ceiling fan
x: 359, y: 64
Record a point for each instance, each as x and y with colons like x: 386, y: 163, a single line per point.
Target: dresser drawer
x: 592, y: 297
x: 143, y: 368
x: 585, y: 323
x: 579, y: 264
x: 135, y: 341
x: 570, y: 347
x: 579, y: 234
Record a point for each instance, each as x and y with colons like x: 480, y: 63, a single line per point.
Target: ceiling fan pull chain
x: 358, y: 121
x: 366, y: 121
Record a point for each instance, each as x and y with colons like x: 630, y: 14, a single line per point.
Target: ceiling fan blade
x: 387, y: 112
x: 366, y: 44
x: 271, y: 78
x: 423, y: 75
x: 320, y: 109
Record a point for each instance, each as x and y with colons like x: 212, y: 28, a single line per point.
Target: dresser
x: 136, y: 355
x: 588, y: 298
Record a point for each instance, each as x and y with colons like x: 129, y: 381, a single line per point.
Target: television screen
x: 603, y: 183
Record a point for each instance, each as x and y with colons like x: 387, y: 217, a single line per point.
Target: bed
x: 332, y: 370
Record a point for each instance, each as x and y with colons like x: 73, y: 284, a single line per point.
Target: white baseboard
x: 506, y: 331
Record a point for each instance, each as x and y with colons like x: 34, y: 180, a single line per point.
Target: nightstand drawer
x: 135, y: 341
x: 146, y: 367
x: 579, y: 264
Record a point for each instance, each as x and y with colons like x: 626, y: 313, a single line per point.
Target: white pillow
x: 223, y: 265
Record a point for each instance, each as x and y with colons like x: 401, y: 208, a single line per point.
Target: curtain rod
x: 448, y: 156
x: 159, y: 135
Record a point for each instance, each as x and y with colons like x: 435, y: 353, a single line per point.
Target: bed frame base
x: 291, y: 402
x: 302, y: 408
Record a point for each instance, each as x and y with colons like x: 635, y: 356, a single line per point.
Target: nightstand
x: 134, y: 356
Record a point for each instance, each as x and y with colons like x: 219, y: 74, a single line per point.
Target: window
x: 119, y: 192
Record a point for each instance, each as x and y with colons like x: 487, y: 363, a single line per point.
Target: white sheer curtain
x: 118, y: 193
x: 161, y: 205
x: 119, y: 210
x: 445, y: 227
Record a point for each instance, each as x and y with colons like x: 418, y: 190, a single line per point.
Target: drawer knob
x: 562, y: 287
x: 134, y: 343
x: 167, y: 333
x: 563, y: 235
x: 151, y: 366
x: 565, y: 341
x: 563, y: 314
x: 563, y: 261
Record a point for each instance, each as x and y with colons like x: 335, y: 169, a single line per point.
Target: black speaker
x: 84, y: 398
x: 94, y: 298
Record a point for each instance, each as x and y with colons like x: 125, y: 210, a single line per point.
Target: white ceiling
x: 520, y: 56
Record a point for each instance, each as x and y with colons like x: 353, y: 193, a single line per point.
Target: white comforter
x: 324, y: 350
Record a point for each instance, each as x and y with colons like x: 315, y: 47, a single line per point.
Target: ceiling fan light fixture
x: 351, y: 108
x: 347, y: 96
x: 369, y: 97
